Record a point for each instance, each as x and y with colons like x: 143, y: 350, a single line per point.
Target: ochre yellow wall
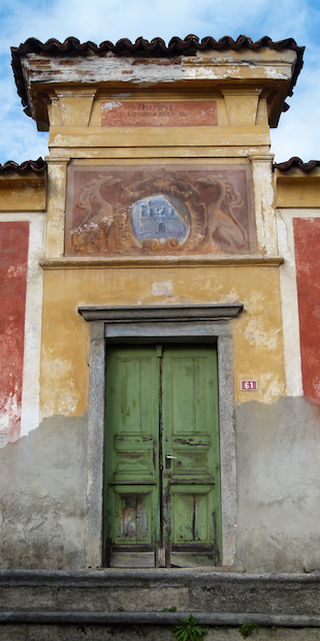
x: 297, y: 189
x: 65, y: 348
x: 241, y: 135
x: 22, y: 193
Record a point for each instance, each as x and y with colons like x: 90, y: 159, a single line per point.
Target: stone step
x: 79, y: 631
x: 153, y: 590
x: 134, y: 604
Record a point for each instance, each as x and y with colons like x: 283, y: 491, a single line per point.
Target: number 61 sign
x: 249, y: 385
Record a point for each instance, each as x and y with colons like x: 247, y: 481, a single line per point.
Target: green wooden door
x: 162, y: 476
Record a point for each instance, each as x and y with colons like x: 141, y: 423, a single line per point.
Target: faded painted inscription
x: 195, y: 113
x: 160, y: 210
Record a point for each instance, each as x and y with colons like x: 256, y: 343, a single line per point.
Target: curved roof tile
x: 40, y: 165
x: 297, y: 163
x: 28, y: 165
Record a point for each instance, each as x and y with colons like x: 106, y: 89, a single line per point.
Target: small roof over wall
x: 297, y: 163
x: 297, y: 184
x: 28, y: 166
x: 42, y: 67
x: 23, y: 187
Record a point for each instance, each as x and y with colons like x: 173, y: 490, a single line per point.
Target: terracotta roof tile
x: 143, y: 48
x: 40, y: 165
x: 28, y: 165
x: 297, y: 163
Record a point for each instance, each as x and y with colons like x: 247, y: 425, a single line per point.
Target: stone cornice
x: 160, y: 313
x: 163, y: 261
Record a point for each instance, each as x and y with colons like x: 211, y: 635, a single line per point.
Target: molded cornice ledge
x: 40, y: 67
x: 168, y: 313
x: 85, y: 262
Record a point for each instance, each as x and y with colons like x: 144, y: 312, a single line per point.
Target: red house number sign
x: 249, y: 385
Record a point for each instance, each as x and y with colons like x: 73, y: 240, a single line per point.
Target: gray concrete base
x: 117, y: 593
x: 146, y: 633
x: 42, y: 496
x: 278, y: 451
x: 119, y: 605
x: 142, y: 619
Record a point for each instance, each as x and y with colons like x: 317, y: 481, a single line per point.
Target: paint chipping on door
x: 162, y: 446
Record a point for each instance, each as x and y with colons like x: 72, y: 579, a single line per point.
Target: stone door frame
x: 143, y: 324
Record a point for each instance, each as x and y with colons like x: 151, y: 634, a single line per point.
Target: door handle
x: 168, y: 461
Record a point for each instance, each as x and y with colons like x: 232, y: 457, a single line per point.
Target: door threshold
x: 209, y: 568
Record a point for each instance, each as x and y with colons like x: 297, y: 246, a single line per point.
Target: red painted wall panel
x: 307, y: 255
x: 14, y: 239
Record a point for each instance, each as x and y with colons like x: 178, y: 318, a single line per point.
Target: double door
x: 162, y: 473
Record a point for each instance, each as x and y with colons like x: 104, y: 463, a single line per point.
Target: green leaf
x: 189, y: 630
x: 246, y: 629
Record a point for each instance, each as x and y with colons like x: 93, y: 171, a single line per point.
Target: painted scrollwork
x: 223, y: 225
x: 158, y: 211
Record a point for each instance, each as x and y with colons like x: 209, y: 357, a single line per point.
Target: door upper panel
x: 132, y: 414
x: 190, y: 412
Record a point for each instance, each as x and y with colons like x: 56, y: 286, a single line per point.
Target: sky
x: 298, y: 133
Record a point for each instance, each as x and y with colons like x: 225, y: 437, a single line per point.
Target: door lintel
x: 167, y: 313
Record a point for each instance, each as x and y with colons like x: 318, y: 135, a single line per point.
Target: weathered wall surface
x: 65, y: 347
x: 22, y: 202
x: 147, y: 633
x: 307, y: 244
x: 278, y: 451
x: 14, y: 239
x: 298, y: 199
x: 226, y: 251
x: 43, y: 497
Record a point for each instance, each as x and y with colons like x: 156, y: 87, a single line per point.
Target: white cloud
x: 298, y: 133
x: 112, y: 19
x: 99, y: 20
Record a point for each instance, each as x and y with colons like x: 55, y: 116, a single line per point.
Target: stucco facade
x: 246, y: 238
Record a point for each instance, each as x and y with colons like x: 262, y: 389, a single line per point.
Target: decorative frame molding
x: 178, y: 323
x: 159, y: 210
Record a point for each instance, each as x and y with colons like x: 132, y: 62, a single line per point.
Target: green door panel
x: 191, y: 516
x: 132, y: 516
x: 131, y: 455
x: 162, y: 474
x: 191, y: 484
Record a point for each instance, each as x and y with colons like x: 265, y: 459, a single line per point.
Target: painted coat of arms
x: 159, y: 210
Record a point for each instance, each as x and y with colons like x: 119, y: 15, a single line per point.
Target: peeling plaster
x: 269, y: 339
x: 14, y: 242
x: 32, y: 326
x: 264, y: 199
x: 153, y: 70
x: 63, y: 397
x: 289, y: 298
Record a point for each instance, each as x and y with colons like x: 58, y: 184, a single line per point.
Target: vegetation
x: 189, y: 630
x: 246, y: 629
